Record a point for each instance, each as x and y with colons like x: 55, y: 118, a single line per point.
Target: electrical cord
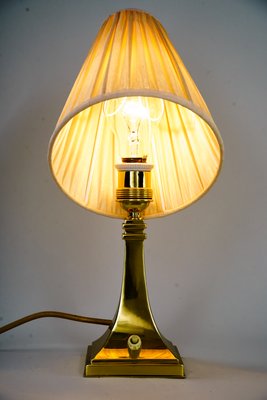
x: 54, y: 314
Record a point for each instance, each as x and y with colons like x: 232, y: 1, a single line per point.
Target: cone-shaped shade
x: 133, y: 56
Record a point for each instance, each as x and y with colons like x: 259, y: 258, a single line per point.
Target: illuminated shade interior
x: 132, y: 57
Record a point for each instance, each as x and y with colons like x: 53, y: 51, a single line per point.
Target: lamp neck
x: 134, y: 298
x: 134, y: 215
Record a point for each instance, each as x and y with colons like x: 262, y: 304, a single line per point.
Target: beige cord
x: 54, y: 314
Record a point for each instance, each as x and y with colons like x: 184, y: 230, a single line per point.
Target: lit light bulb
x: 132, y: 117
x: 134, y: 112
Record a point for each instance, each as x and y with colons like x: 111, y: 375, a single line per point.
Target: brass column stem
x: 134, y: 303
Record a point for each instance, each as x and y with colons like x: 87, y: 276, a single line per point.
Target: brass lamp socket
x: 134, y: 186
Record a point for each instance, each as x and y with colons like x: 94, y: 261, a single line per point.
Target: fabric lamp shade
x: 133, y: 58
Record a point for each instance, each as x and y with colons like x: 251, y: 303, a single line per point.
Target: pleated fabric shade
x: 132, y: 56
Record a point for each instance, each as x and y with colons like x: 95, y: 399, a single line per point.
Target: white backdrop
x: 206, y: 266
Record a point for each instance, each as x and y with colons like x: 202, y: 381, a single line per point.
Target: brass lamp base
x: 133, y: 345
x: 142, y: 367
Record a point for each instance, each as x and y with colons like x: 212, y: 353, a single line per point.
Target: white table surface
x: 57, y: 374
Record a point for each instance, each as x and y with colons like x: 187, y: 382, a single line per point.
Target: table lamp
x: 135, y: 140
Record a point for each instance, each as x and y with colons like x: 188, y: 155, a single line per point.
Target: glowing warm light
x: 138, y: 114
x: 134, y: 110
